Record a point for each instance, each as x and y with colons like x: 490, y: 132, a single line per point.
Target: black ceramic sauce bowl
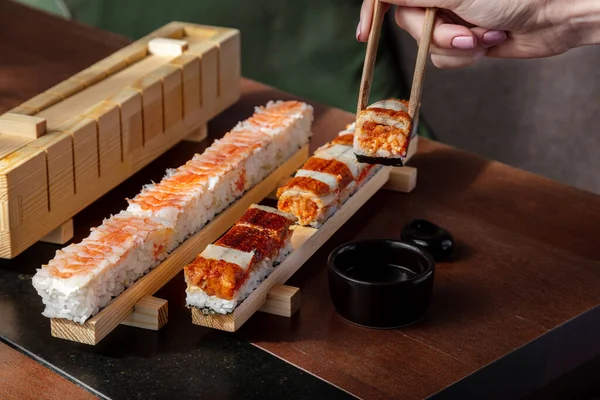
x: 380, y: 283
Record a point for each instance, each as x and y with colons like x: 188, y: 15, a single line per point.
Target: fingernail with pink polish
x: 463, y: 42
x: 358, y: 32
x: 492, y: 38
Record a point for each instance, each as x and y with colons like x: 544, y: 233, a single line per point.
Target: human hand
x: 466, y: 30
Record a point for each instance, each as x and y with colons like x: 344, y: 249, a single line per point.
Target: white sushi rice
x: 80, y: 296
x: 196, y: 297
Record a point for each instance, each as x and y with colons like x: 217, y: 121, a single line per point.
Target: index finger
x: 366, y: 19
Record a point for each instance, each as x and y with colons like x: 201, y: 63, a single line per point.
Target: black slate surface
x: 180, y: 361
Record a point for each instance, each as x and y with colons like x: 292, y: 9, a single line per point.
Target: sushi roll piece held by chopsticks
x: 385, y: 128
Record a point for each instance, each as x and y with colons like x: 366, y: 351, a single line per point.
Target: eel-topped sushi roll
x: 325, y: 181
x: 83, y: 277
x: 383, y: 132
x: 226, y: 272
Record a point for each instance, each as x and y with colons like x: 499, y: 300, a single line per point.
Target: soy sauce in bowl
x: 380, y: 283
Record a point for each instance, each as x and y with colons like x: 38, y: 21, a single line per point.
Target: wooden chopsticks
x: 369, y: 65
x: 421, y: 64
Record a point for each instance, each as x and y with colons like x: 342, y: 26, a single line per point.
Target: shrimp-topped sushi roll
x: 383, y: 132
x: 191, y: 195
x: 83, y: 277
x: 288, y: 122
x: 325, y: 181
x: 182, y: 200
x: 226, y: 272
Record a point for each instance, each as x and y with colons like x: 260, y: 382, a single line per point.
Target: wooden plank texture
x: 25, y: 379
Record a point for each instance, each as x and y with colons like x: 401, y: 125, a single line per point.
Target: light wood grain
x: 148, y: 313
x: 60, y: 235
x: 9, y: 144
x: 421, y: 64
x: 67, y: 88
x: 22, y: 125
x: 370, y: 57
x: 282, y: 300
x: 97, y: 327
x: 60, y: 169
x: 129, y: 102
x: 190, y: 68
x: 22, y: 378
x: 198, y: 135
x: 172, y: 94
x: 305, y: 242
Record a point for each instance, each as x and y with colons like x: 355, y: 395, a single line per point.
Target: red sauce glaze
x: 248, y: 239
x: 333, y: 167
x: 276, y: 225
x: 346, y: 140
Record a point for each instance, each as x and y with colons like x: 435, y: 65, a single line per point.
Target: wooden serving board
x: 65, y: 148
x: 118, y: 310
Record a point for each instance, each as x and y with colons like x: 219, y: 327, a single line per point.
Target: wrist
x: 580, y: 20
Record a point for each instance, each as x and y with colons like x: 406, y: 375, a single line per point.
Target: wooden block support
x: 60, y: 235
x: 165, y: 47
x: 282, y: 300
x: 22, y: 125
x: 100, y: 325
x: 402, y: 179
x: 148, y: 313
x: 198, y: 135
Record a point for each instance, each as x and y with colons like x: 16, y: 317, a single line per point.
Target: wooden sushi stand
x: 515, y: 310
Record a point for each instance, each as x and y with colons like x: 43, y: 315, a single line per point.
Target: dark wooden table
x: 514, y: 309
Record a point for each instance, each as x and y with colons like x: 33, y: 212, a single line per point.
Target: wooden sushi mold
x: 270, y: 294
x: 68, y: 146
x: 137, y: 307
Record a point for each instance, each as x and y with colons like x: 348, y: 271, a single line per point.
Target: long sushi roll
x: 325, y: 181
x: 82, y: 278
x: 194, y: 193
x: 226, y: 272
x: 383, y: 133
